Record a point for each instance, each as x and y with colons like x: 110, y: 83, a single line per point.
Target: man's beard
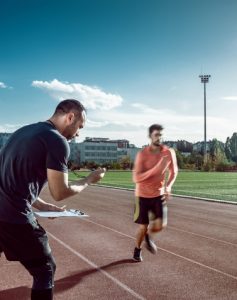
x: 69, y: 137
x: 156, y: 143
x: 68, y: 134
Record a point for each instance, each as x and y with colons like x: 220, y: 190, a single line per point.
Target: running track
x: 197, y: 257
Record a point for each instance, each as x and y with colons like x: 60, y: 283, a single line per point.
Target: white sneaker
x: 150, y: 245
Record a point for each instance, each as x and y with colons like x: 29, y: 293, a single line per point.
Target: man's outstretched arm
x: 60, y: 189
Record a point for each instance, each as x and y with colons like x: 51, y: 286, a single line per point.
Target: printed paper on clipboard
x: 57, y: 214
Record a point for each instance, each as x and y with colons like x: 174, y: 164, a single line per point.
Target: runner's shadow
x: 75, y: 278
x: 21, y: 292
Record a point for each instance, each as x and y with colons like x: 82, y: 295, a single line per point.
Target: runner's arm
x: 139, y: 175
x: 173, y: 171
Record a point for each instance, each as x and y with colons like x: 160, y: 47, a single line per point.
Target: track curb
x: 174, y: 195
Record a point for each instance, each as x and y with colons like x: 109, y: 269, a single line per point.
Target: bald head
x: 69, y: 117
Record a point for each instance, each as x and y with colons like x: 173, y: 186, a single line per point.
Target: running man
x: 152, y: 189
x: 36, y: 154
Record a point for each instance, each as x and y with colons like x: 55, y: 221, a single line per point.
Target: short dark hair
x: 69, y: 105
x: 155, y: 127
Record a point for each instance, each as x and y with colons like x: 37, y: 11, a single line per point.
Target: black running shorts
x: 21, y: 242
x: 148, y: 209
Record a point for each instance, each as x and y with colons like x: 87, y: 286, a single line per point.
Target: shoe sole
x: 153, y: 251
x: 137, y: 260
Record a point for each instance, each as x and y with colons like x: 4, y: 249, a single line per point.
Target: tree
x: 217, y: 152
x: 91, y: 165
x: 194, y: 161
x: 184, y: 146
x: 231, y: 147
x: 180, y: 159
x: 125, y: 162
x: 115, y: 166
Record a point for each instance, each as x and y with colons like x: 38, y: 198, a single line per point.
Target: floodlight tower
x: 204, y: 80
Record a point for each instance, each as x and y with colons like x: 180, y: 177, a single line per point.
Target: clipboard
x: 58, y: 214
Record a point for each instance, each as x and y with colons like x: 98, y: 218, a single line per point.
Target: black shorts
x: 148, y: 209
x: 22, y: 242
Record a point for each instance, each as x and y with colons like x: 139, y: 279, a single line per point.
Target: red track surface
x: 196, y: 258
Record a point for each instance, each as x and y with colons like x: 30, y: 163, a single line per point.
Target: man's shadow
x: 66, y: 283
x: 74, y: 279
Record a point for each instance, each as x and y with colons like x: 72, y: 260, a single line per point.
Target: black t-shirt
x: 24, y: 161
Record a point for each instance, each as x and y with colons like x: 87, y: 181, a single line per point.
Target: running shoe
x: 137, y: 254
x: 150, y: 245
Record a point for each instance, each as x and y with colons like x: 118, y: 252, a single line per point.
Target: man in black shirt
x: 36, y: 154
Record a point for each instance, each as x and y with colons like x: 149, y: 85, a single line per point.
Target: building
x: 171, y: 144
x: 101, y: 150
x: 132, y: 151
x: 98, y: 150
x: 74, y: 152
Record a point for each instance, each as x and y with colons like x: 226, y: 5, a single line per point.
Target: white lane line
x: 115, y: 280
x: 111, y: 229
x: 201, y: 219
x: 178, y: 215
x: 177, y: 229
x: 190, y: 197
x: 185, y: 217
x: 202, y: 236
x: 170, y: 252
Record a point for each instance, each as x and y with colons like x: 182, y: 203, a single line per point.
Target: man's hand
x: 52, y: 207
x: 45, y: 206
x: 166, y: 196
x: 96, y: 175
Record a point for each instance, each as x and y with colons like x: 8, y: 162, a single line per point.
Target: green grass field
x: 214, y: 185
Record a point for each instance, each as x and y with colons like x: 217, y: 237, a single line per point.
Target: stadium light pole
x: 204, y: 80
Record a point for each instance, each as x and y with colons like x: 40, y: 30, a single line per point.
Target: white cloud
x: 10, y: 127
x: 2, y: 85
x: 92, y: 97
x: 144, y: 108
x: 231, y: 98
x: 133, y: 121
x: 95, y: 124
x: 109, y: 116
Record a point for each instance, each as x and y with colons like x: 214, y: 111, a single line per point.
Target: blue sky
x: 132, y: 63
